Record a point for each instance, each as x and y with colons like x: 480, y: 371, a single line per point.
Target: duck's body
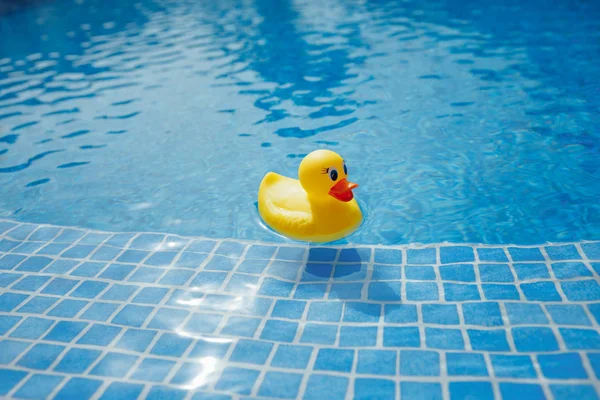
x: 326, y: 212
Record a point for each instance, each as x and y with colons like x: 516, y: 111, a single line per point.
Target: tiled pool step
x: 88, y: 314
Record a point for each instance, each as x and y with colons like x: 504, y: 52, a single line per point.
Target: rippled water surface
x: 462, y: 121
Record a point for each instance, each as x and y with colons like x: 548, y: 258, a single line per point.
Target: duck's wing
x: 285, y: 198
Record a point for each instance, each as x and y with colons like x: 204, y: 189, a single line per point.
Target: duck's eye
x: 345, y: 169
x: 333, y: 174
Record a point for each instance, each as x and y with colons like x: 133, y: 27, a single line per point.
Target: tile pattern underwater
x: 90, y: 314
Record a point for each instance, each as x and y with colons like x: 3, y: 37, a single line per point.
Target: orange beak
x: 342, y: 190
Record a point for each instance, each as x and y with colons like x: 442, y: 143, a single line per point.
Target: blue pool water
x: 462, y: 121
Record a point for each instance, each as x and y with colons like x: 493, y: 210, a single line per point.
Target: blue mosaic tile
x: 114, y: 365
x: 289, y: 309
x: 486, y: 254
x: 526, y: 314
x: 38, y: 386
x: 52, y: 249
x: 100, y: 335
x: 483, y: 314
x: 334, y: 360
x: 422, y: 291
x: 350, y: 272
x: 40, y: 356
x: 291, y: 253
x: 534, y: 339
x: 384, y: 291
x: 488, y: 340
x: 65, y: 331
x: 495, y: 273
x: 79, y: 388
x: 358, y: 336
x: 38, y: 305
x: 387, y: 256
x: 292, y: 356
x: 78, y: 251
x: 441, y: 314
x: 210, y: 347
x: 368, y: 388
x: 376, y: 362
x: 194, y: 260
x: 22, y: 231
x: 161, y: 258
x: 421, y: 256
x: 261, y: 252
x: 10, y: 261
x: 453, y: 254
x: 208, y: 280
x: 237, y: 380
x: 361, y: 312
x: 117, y: 272
x: 471, y: 390
x: 100, y: 311
x: 512, y: 366
x: 521, y: 391
x: 563, y: 252
x: 420, y: 391
x: 202, y: 246
x: 466, y: 364
x: 591, y: 250
x: 568, y: 270
x: 363, y: 255
x: 7, y: 278
x: 308, y: 291
x: 540, y: 291
x: 280, y: 384
x: 9, y: 301
x: 324, y: 311
x: 88, y: 269
x: 27, y: 247
x: 10, y: 350
x: 401, y: 337
x: 279, y: 331
x: 584, y: 290
x: 500, y: 292
x: 569, y: 392
x: 77, y: 361
x: 9, y: 379
x: 171, y: 345
x: 150, y: 295
x: 580, y: 339
x: 166, y: 393
x: 132, y: 256
x: 568, y: 314
x: 458, y: 272
x: 419, y: 272
x: 335, y: 387
x: 136, y: 340
x: 241, y: 326
x: 346, y: 291
x: 230, y: 249
x: 7, y: 322
x: 220, y: 263
x: 322, y: 254
x: 146, y: 275
x: 105, y: 253
x: 7, y: 245
x: 419, y: 363
x: 119, y: 292
x: 275, y: 288
x: 460, y: 292
x: 122, y: 391
x: 239, y: 283
x: 132, y: 315
x: 89, y: 289
x: 34, y: 264
x: 30, y: 283
x: 525, y: 254
x: 153, y: 370
x: 67, y: 308
x: 531, y: 271
x: 60, y: 267
x: 94, y: 238
x: 167, y: 318
x: 32, y: 328
x: 444, y: 339
x: 316, y: 272
x: 386, y: 273
x: 319, y: 334
x: 400, y: 313
x: 562, y: 366
x: 187, y: 374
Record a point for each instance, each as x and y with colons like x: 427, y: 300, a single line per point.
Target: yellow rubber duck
x: 320, y: 207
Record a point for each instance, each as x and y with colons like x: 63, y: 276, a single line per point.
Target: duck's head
x: 323, y: 173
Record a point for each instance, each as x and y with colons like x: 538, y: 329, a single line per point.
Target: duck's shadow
x: 354, y: 283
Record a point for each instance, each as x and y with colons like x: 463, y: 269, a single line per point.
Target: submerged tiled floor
x: 87, y: 314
